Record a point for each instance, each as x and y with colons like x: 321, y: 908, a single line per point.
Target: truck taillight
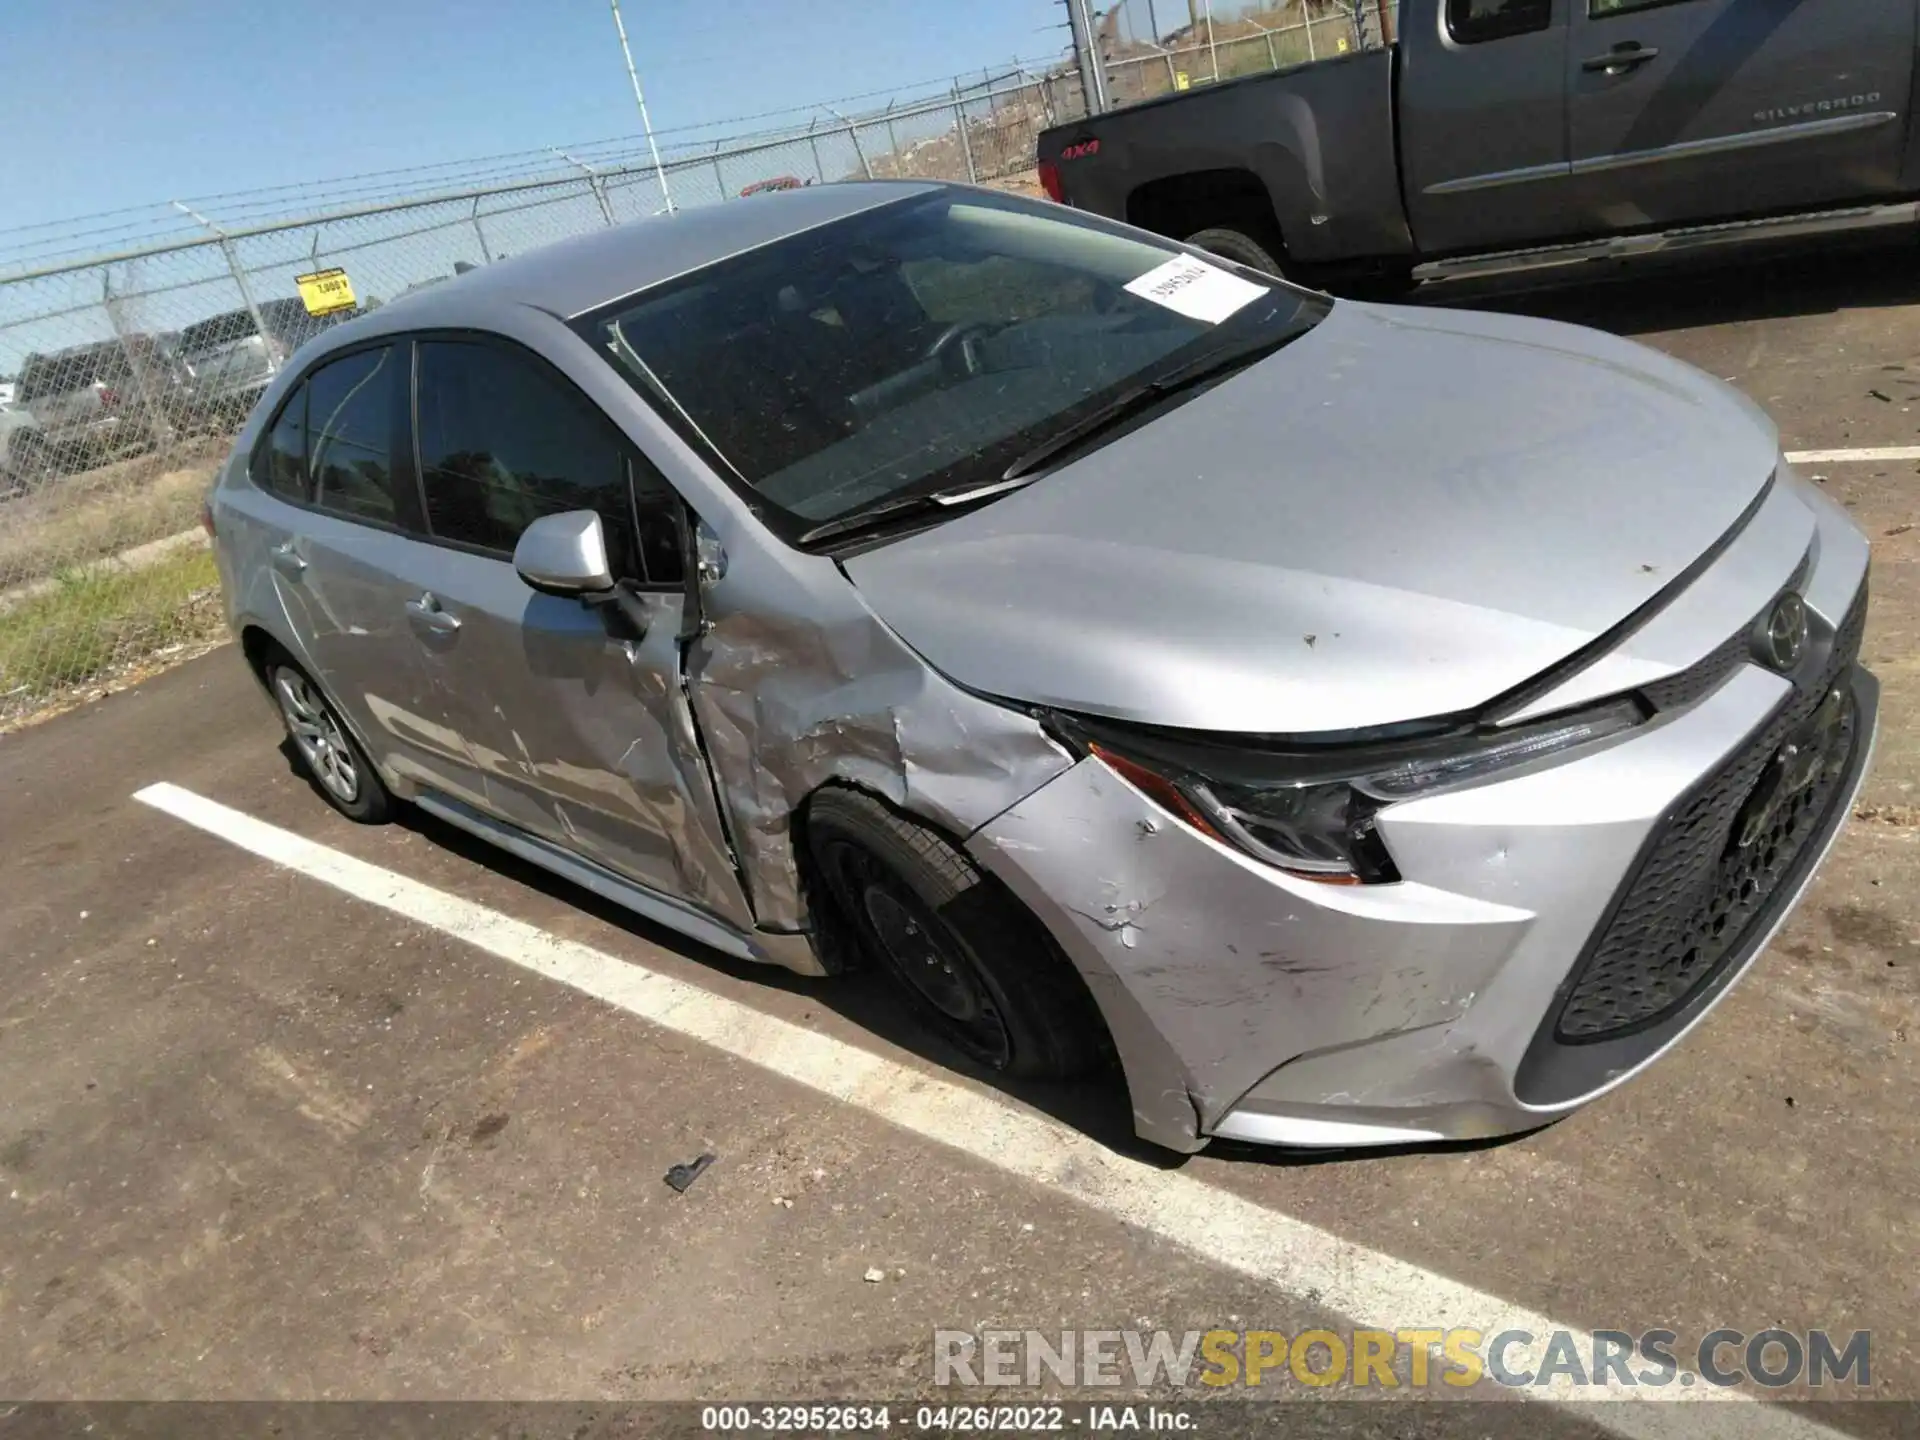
x: 206, y: 517
x: 1050, y: 182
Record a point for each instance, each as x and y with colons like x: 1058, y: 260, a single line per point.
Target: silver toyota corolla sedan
x: 1363, y: 725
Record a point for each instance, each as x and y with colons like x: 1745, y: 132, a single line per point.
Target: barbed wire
x: 27, y: 244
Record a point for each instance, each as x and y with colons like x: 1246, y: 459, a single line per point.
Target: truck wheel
x: 974, y: 966
x: 30, y: 465
x: 1238, y: 246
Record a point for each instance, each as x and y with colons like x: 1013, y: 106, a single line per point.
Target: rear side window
x: 502, y: 443
x: 350, y: 417
x: 40, y: 379
x: 281, y: 465
x: 1470, y: 22
x: 72, y: 370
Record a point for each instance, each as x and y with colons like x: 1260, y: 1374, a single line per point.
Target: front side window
x: 1471, y: 22
x: 350, y: 436
x: 503, y: 443
x: 924, y: 344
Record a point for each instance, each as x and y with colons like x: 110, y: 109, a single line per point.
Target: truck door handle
x: 426, y: 614
x: 1625, y: 56
x: 288, y: 561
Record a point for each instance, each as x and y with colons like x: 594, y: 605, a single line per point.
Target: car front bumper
x: 1252, y: 1005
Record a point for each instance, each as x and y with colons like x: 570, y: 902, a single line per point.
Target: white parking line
x: 1369, y: 1288
x: 1852, y: 457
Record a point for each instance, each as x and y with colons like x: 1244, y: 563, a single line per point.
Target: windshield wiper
x: 1027, y: 468
x: 1130, y: 402
x: 875, y: 516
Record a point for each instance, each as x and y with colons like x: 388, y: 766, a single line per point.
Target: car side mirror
x: 565, y: 554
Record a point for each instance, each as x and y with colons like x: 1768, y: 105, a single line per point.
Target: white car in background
x: 20, y: 452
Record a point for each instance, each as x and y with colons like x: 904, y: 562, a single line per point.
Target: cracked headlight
x: 1310, y: 811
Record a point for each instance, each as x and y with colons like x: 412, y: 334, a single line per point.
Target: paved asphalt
x: 261, y: 1139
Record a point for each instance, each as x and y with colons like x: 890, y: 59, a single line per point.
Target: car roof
x: 583, y: 273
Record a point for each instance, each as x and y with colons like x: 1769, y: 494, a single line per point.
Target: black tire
x: 327, y: 748
x: 976, y: 969
x: 1240, y: 247
x: 29, y: 464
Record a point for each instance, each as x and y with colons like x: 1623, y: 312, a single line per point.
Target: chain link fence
x: 1226, y: 41
x: 125, y: 375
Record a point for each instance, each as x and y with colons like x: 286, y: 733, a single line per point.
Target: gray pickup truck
x: 1509, y: 134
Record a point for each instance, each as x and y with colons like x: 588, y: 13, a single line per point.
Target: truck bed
x: 1312, y: 145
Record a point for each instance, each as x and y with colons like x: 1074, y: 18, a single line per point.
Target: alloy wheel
x: 317, y: 735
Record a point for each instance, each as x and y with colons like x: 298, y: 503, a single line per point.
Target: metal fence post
x: 966, y: 144
x: 158, y: 425
x: 593, y: 184
x: 853, y: 134
x: 813, y: 143
x: 719, y: 180
x: 893, y: 145
x: 485, y: 253
x: 233, y: 264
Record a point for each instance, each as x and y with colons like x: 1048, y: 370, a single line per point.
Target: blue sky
x: 109, y: 103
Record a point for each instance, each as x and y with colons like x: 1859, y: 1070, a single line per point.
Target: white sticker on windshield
x: 1196, y: 289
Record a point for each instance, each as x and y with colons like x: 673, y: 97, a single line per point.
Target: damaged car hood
x: 1405, y: 513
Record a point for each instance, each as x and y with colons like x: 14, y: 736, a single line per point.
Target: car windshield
x: 220, y: 330
x: 921, y: 345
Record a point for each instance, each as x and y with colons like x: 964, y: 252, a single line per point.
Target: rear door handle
x: 426, y: 615
x: 288, y: 561
x: 1623, y: 57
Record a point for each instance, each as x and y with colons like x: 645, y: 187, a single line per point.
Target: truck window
x: 1472, y: 22
x: 1600, y: 9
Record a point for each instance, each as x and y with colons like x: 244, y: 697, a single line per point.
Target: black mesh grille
x: 1685, y: 910
x: 1676, y: 692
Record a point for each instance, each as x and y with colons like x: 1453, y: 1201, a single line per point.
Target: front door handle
x: 288, y: 561
x: 1627, y: 55
x: 425, y: 614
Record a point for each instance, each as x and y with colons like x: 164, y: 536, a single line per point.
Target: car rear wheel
x: 333, y: 759
x: 29, y: 464
x: 976, y: 969
x: 1238, y: 246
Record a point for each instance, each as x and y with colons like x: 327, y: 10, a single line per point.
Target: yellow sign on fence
x: 325, y: 291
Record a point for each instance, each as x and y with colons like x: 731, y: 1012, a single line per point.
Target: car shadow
x: 1659, y: 292
x: 1096, y: 1106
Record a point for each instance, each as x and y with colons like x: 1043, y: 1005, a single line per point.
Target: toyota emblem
x: 1782, y: 637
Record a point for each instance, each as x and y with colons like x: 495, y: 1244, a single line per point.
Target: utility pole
x: 659, y: 170
x: 1093, y: 75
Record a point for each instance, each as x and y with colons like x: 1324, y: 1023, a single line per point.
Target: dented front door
x: 583, y: 734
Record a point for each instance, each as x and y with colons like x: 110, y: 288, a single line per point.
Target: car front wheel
x: 975, y: 968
